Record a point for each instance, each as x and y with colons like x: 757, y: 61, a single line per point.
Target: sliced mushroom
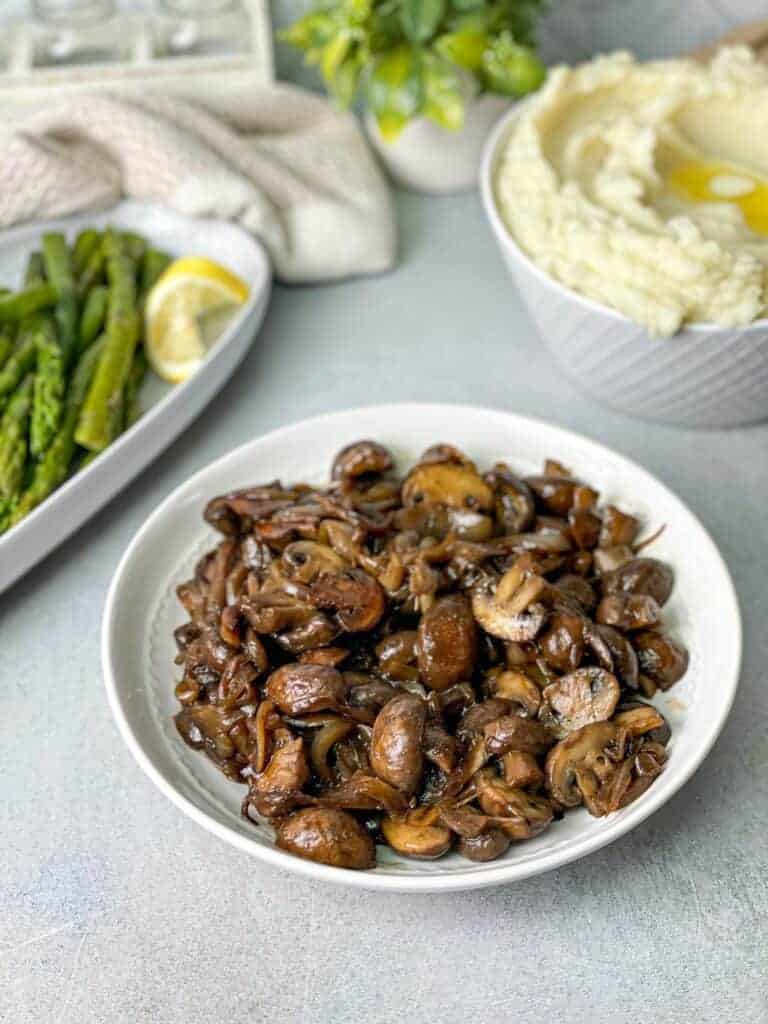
x: 555, y: 493
x: 510, y: 612
x: 446, y: 483
x: 628, y: 611
x: 608, y: 560
x: 317, y: 631
x: 618, y: 528
x: 332, y: 656
x: 476, y: 717
x: 363, y: 458
x: 363, y: 792
x: 615, y: 653
x: 322, y: 744
x: 440, y: 747
x: 236, y: 683
x: 396, y: 742
x: 447, y: 642
x: 423, y: 842
x: 514, y: 503
x: 520, y: 815
x: 519, y: 690
x: 661, y: 658
x: 370, y: 693
x: 356, y: 597
x: 297, y: 689
x: 465, y: 821
x: 328, y: 836
x: 643, y: 720
x: 582, y: 697
x: 570, y: 766
x: 489, y: 845
x: 584, y: 528
x: 647, y: 576
x: 274, y: 791
x: 521, y: 769
x: 576, y: 591
x: 444, y: 453
x: 562, y: 644
x: 305, y: 560
x: 511, y: 732
x: 397, y: 655
x: 647, y: 765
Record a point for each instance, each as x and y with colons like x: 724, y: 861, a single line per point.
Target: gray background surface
x: 115, y: 908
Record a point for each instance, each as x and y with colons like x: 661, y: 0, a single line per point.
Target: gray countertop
x: 116, y: 908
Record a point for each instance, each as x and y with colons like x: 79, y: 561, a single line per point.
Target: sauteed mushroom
x: 364, y: 458
x: 297, y: 689
x: 646, y: 576
x: 510, y: 612
x: 585, y: 696
x: 327, y: 836
x: 424, y: 842
x: 488, y: 845
x: 661, y: 658
x: 447, y: 642
x: 356, y: 597
x: 396, y: 742
x: 446, y: 483
x: 445, y: 659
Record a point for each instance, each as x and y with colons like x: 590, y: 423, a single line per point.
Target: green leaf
x: 511, y: 69
x: 465, y: 48
x: 313, y: 30
x: 333, y: 55
x: 443, y: 100
x: 395, y: 90
x: 346, y: 81
x: 357, y: 11
x: 467, y: 5
x: 421, y: 18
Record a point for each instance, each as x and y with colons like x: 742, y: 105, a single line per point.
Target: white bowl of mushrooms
x: 515, y: 764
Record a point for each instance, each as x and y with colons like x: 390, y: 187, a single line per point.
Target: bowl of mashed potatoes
x: 630, y: 203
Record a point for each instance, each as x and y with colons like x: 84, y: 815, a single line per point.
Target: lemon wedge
x: 185, y: 311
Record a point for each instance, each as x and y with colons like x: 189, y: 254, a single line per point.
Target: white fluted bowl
x: 704, y: 376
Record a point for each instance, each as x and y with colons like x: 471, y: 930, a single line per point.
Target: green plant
x: 414, y: 57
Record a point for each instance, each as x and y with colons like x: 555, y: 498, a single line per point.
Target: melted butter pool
x: 700, y: 182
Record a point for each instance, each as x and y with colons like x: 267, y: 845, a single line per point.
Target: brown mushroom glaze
x: 448, y: 659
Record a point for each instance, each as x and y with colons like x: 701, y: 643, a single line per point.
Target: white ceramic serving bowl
x: 704, y: 376
x: 142, y: 611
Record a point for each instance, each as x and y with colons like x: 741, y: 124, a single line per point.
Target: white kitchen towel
x: 280, y: 161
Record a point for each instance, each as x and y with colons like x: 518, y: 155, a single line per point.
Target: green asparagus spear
x: 122, y: 335
x: 50, y: 380
x: 52, y: 469
x: 152, y: 266
x: 136, y: 377
x: 93, y: 272
x: 20, y: 362
x: 35, y: 271
x: 86, y: 244
x: 135, y: 246
x: 58, y: 267
x: 94, y: 312
x: 16, y: 306
x: 13, y: 439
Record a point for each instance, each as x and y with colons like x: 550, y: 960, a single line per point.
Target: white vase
x: 428, y: 158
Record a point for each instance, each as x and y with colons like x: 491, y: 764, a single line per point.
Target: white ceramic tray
x: 168, y: 410
x: 142, y: 612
